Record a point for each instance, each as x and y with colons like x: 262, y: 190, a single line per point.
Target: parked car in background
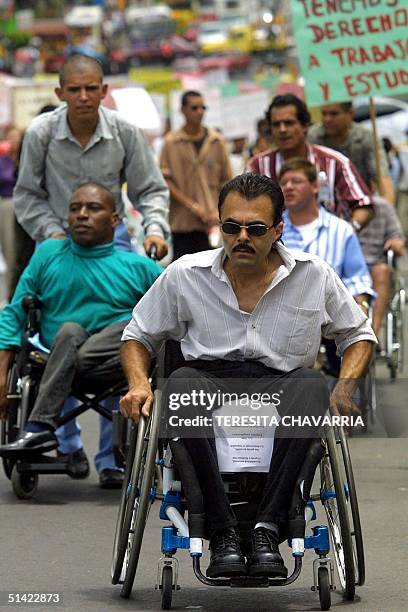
x: 232, y: 62
x: 152, y: 36
x: 213, y: 37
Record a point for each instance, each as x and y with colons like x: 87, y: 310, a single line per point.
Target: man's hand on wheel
x: 341, y: 400
x: 136, y: 402
x: 159, y: 243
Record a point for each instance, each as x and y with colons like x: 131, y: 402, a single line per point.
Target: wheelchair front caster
x: 167, y: 587
x: 24, y: 484
x: 323, y: 583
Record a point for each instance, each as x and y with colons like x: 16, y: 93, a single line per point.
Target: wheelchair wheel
x: 333, y: 494
x: 392, y: 350
x: 323, y: 582
x: 141, y: 485
x: 18, y: 403
x: 24, y: 484
x: 167, y: 587
x: 9, y: 427
x: 127, y: 501
x: 401, y: 325
x: 354, y: 514
x: 395, y: 329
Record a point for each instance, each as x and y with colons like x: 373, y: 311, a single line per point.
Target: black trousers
x: 189, y: 242
x: 302, y: 392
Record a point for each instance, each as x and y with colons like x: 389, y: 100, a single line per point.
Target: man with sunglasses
x: 252, y: 311
x: 195, y: 163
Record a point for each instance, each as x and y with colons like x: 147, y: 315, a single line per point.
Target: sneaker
x: 77, y: 463
x: 226, y: 555
x: 265, y: 558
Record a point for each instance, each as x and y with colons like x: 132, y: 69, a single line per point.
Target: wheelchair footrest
x: 42, y: 465
x: 243, y: 582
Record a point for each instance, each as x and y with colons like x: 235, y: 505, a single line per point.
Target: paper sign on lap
x: 246, y: 443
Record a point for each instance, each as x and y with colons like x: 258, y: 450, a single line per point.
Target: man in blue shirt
x: 311, y: 228
x: 87, y: 288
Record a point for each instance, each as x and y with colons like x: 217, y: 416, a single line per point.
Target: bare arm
x: 356, y: 360
x: 5, y: 361
x: 136, y: 363
x: 363, y: 215
x: 397, y: 245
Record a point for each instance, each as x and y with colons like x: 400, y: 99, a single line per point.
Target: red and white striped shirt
x: 347, y: 188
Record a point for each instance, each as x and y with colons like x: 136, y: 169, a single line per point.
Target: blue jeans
x: 69, y: 435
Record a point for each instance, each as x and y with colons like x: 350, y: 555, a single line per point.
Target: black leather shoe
x: 28, y: 443
x: 265, y: 558
x: 110, y: 479
x: 226, y: 555
x: 77, y: 463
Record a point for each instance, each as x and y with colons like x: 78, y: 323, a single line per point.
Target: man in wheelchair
x: 87, y: 289
x: 252, y: 312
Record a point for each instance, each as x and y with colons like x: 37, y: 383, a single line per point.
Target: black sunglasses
x: 254, y: 229
x: 196, y: 107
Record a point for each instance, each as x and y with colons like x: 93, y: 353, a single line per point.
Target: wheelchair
x: 395, y: 320
x: 334, y: 488
x: 22, y: 386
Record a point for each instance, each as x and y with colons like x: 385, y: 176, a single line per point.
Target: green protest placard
x: 350, y: 48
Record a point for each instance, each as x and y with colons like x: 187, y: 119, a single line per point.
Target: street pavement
x: 61, y: 541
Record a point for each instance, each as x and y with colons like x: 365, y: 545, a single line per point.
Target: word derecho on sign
x: 352, y: 47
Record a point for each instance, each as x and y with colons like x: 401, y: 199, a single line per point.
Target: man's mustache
x: 243, y: 248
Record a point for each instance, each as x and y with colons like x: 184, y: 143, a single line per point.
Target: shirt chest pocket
x: 293, y: 330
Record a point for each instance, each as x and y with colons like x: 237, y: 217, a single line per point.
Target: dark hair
x: 387, y: 144
x: 302, y: 112
x: 110, y: 198
x: 251, y: 186
x: 189, y: 94
x: 263, y: 127
x: 299, y: 163
x: 346, y: 106
x: 79, y: 62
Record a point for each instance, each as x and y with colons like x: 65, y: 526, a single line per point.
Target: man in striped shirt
x: 252, y: 311
x: 348, y: 196
x: 309, y: 227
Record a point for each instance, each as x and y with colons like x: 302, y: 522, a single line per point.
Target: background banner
x: 350, y: 48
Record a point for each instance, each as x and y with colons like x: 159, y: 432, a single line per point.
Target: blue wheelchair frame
x: 146, y: 472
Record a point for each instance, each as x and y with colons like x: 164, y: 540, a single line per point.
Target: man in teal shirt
x: 87, y: 289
